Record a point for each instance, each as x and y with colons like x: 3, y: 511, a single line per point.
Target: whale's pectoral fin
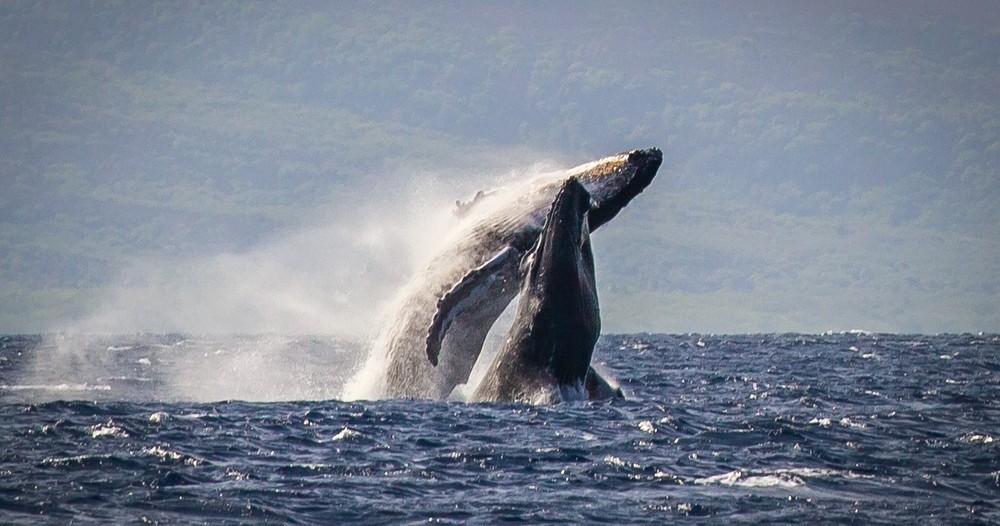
x: 464, y: 294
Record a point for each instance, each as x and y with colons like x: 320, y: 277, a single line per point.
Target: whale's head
x: 614, y: 181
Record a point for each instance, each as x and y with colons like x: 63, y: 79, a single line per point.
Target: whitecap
x: 198, y: 416
x: 346, y: 434
x: 619, y: 463
x: 781, y: 478
x: 847, y: 422
x: 107, y: 429
x: 74, y: 460
x: 174, y: 456
x: 162, y: 454
x: 665, y: 475
x: 647, y: 427
x: 238, y: 475
x: 726, y: 479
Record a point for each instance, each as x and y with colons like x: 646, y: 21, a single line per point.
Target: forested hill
x: 827, y: 166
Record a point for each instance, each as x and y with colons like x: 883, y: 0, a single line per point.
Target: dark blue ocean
x: 849, y: 428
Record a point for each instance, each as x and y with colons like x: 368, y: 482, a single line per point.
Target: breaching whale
x: 546, y: 356
x: 434, y: 336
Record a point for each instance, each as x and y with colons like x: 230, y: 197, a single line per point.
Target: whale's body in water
x: 440, y: 322
x: 547, y: 352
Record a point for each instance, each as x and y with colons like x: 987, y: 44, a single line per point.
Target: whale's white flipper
x: 481, y: 284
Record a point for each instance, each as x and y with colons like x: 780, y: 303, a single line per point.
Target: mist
x: 291, y: 318
x: 332, y: 276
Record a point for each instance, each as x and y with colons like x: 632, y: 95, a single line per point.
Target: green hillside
x: 826, y: 166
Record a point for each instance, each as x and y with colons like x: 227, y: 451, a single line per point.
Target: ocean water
x: 849, y: 428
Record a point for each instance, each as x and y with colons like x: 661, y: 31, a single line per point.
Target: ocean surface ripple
x: 851, y: 428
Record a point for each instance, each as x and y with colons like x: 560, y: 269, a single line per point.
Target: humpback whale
x: 440, y: 321
x: 546, y: 356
